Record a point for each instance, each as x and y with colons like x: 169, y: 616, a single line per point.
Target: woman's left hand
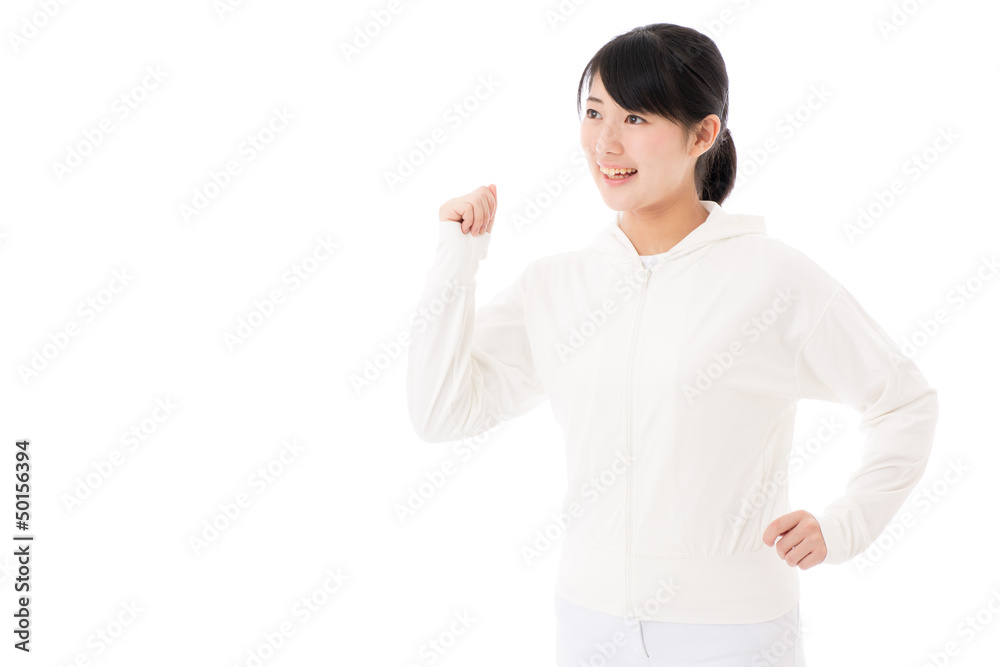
x: 802, y: 543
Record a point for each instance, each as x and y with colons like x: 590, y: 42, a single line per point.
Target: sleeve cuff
x: 458, y: 254
x: 833, y: 535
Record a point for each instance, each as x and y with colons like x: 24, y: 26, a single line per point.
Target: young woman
x: 673, y: 350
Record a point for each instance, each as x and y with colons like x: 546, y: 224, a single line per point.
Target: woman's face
x: 658, y: 149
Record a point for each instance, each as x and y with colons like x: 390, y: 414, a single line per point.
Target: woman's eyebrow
x: 595, y: 99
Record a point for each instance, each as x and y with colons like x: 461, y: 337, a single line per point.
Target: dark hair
x: 678, y: 73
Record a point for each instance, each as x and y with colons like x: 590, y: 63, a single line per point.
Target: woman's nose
x: 607, y: 140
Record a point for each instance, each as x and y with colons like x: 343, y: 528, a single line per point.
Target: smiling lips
x: 617, y: 173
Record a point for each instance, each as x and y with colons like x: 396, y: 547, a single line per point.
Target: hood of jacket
x: 719, y: 225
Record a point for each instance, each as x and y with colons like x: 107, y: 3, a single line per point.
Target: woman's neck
x: 657, y: 232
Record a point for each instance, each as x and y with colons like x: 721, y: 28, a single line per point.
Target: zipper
x: 632, y: 456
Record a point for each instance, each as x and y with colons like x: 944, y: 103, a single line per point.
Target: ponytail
x: 715, y: 170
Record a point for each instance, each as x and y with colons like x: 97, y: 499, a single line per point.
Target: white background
x: 296, y: 377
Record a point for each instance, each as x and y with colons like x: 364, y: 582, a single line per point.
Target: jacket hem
x: 751, y: 588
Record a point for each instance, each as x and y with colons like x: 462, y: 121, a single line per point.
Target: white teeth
x: 615, y: 172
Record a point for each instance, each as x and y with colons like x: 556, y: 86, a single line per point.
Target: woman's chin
x: 616, y: 200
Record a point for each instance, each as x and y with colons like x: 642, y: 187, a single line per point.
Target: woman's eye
x: 596, y: 115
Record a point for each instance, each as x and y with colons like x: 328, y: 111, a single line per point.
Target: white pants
x: 588, y: 638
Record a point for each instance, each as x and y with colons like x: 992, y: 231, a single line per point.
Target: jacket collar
x: 719, y: 225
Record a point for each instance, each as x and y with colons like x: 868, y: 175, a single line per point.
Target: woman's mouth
x: 617, y: 176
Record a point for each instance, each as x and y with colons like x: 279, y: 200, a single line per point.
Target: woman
x: 673, y: 351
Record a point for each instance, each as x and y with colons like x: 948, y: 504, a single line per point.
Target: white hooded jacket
x: 676, y: 390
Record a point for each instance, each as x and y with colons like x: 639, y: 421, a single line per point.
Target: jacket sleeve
x: 848, y: 358
x: 467, y: 370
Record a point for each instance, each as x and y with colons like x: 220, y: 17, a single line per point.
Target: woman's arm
x: 467, y: 370
x: 848, y: 358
